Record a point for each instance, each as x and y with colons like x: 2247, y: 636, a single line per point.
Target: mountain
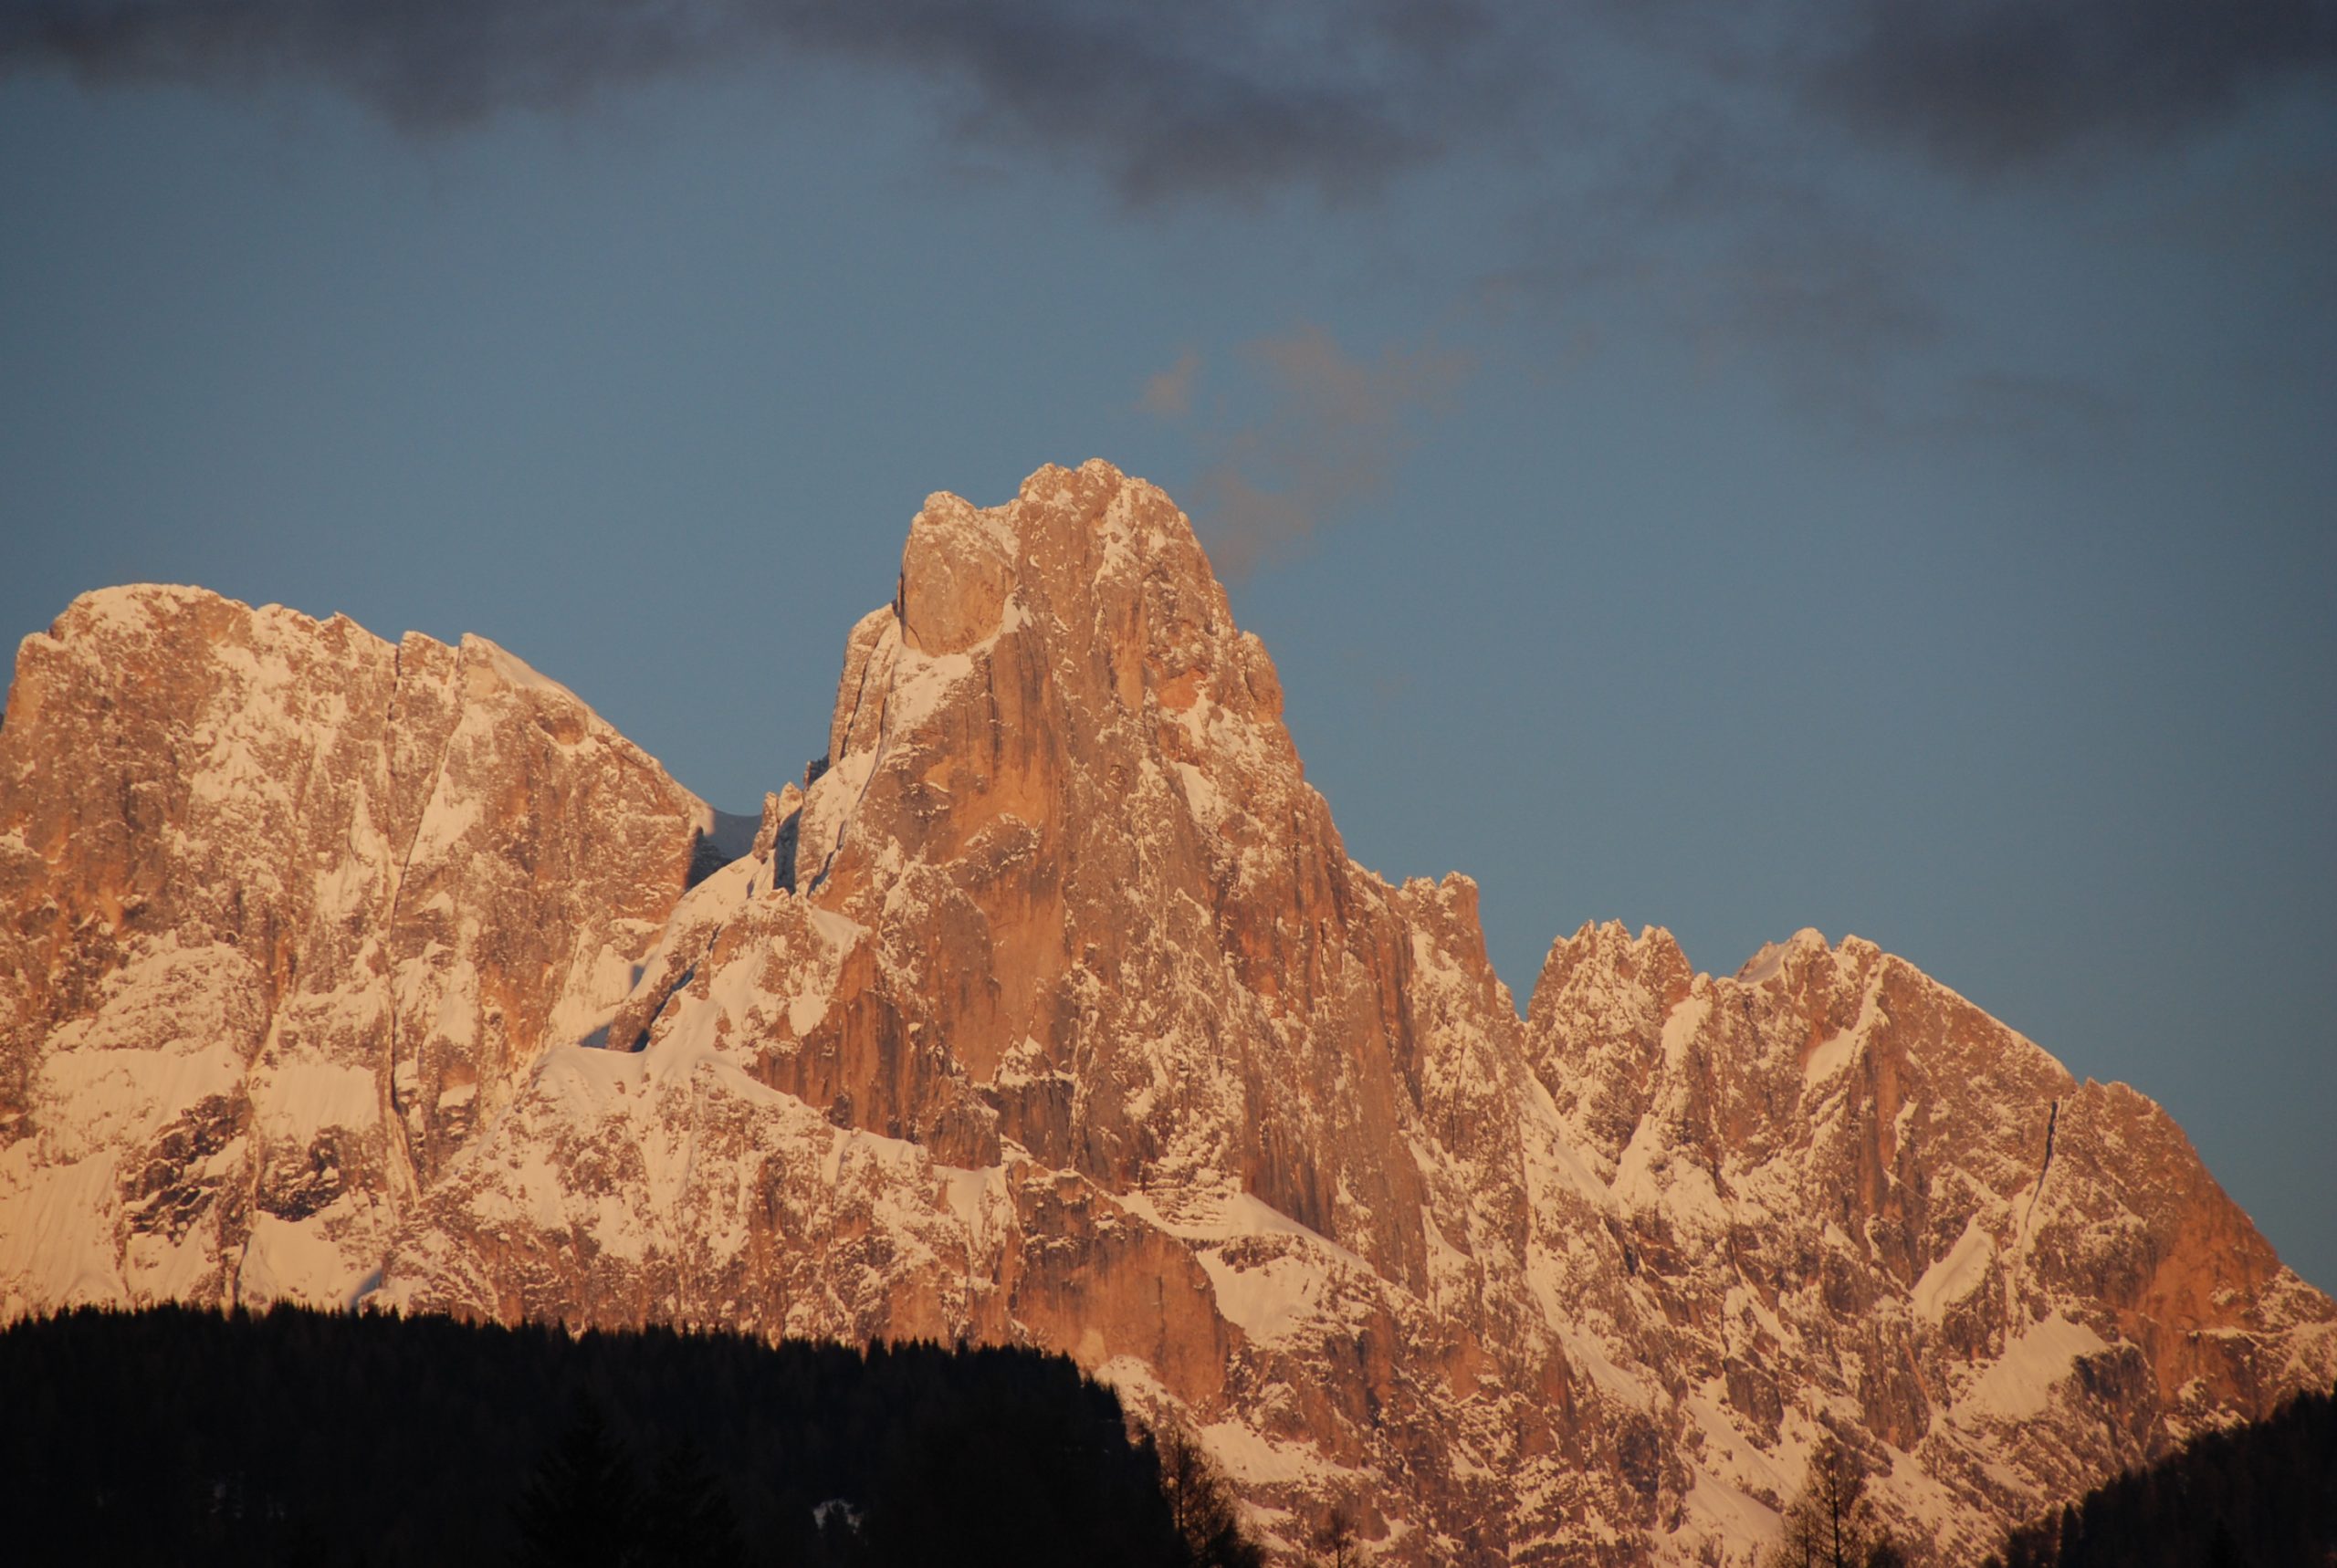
x: 1051, y: 1010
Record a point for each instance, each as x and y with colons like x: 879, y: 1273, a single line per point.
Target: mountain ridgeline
x: 1051, y: 1012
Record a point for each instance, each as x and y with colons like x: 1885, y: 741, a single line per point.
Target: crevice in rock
x: 399, y: 870
x: 640, y: 1042
x: 783, y: 849
x: 859, y: 694
x: 2052, y: 1120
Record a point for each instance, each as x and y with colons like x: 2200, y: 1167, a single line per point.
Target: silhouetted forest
x: 2259, y: 1496
x: 185, y: 1436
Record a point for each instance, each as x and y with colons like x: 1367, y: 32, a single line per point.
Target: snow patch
x: 1766, y: 964
x: 1200, y: 796
x: 297, y: 1100
x: 1681, y: 1025
x: 973, y: 1195
x: 1955, y: 1275
x: 1220, y: 1216
x: 1831, y: 1055
x: 2021, y: 1385
x: 1273, y: 1301
x: 1250, y: 1458
x: 836, y: 930
x: 518, y: 674
x: 53, y: 1221
x: 1743, y: 1527
x: 297, y: 1262
x: 921, y: 682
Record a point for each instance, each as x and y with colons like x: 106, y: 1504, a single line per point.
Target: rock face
x: 1864, y: 1206
x: 287, y: 914
x: 1053, y: 1012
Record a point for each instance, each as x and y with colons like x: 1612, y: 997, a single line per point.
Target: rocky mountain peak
x: 1050, y: 1010
x: 292, y: 911
x: 1105, y: 911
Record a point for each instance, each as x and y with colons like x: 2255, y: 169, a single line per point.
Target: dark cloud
x: 1224, y: 96
x: 1682, y: 157
x: 1828, y: 305
x: 1212, y: 94
x: 1989, y: 85
x: 1711, y: 240
x: 425, y: 64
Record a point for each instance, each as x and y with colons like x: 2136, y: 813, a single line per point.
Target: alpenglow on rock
x: 1053, y: 1011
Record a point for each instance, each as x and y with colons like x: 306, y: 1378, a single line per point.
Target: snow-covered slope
x: 1053, y: 1011
x: 290, y: 913
x: 1867, y: 1207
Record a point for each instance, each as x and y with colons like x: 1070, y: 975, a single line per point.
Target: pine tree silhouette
x: 688, y: 1521
x: 580, y: 1508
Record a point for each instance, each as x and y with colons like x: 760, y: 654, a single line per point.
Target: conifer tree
x: 581, y: 1507
x: 687, y: 1521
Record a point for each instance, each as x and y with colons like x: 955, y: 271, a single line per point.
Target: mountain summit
x: 1051, y: 1010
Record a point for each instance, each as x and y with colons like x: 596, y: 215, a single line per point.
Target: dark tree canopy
x: 184, y: 1437
x: 2258, y: 1496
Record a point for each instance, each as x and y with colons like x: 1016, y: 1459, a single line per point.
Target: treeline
x: 2259, y: 1496
x: 191, y: 1437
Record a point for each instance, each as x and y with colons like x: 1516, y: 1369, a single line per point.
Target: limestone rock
x: 1051, y: 1010
x: 286, y: 913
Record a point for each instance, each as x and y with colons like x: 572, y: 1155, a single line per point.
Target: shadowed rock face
x: 1053, y: 1011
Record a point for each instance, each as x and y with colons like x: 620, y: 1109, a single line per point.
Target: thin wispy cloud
x: 2047, y: 417
x: 1721, y: 249
x: 1326, y: 435
x: 1828, y: 307
x: 1170, y: 394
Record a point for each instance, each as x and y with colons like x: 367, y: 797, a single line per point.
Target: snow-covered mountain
x: 1051, y: 1010
x: 287, y: 915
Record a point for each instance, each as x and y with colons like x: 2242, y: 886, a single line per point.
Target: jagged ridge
x: 1053, y: 1011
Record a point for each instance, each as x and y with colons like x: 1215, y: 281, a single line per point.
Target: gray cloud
x: 1988, y: 86
x: 1707, y: 210
x: 1829, y: 305
x: 1331, y: 431
x: 1210, y: 95
x: 1221, y: 96
x: 1715, y: 243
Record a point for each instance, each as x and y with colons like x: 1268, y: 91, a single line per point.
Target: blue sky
x: 1836, y: 467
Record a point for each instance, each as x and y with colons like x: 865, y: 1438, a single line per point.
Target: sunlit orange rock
x: 1051, y: 1010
